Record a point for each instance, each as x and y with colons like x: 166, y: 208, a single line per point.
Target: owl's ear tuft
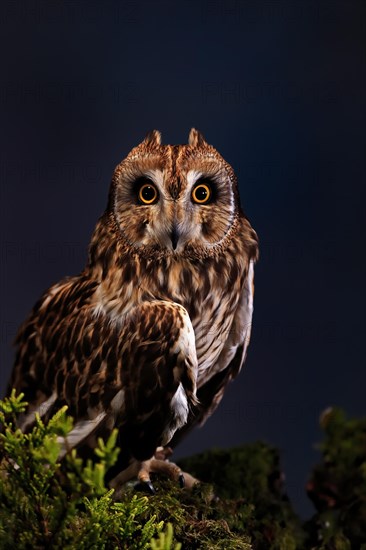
x: 153, y: 138
x: 196, y: 138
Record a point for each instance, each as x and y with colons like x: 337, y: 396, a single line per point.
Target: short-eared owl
x: 149, y: 334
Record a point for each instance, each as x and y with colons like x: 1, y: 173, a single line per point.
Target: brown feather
x: 146, y: 328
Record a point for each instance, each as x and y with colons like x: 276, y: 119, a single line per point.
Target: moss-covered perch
x: 45, y: 504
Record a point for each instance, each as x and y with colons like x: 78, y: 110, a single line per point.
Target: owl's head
x: 174, y: 199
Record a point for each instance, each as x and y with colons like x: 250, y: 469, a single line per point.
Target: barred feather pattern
x: 148, y: 336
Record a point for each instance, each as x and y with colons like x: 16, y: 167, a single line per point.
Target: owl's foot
x: 158, y: 464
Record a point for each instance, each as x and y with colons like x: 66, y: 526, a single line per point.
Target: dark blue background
x: 278, y: 87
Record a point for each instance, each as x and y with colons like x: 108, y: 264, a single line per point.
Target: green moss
x: 240, y: 504
x: 249, y: 482
x: 198, y: 521
x: 337, y: 485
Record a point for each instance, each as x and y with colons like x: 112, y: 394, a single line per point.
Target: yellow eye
x: 148, y: 194
x: 201, y: 193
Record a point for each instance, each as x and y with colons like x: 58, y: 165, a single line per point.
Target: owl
x: 146, y: 338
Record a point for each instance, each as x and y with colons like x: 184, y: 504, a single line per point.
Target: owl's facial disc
x: 198, y: 216
x: 174, y: 200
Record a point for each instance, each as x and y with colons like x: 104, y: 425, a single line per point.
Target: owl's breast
x: 210, y: 293
x: 209, y: 290
x: 212, y: 330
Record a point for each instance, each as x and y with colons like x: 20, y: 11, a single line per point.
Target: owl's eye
x: 201, y: 194
x: 148, y: 194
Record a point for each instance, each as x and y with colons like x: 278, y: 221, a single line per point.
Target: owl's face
x: 174, y: 198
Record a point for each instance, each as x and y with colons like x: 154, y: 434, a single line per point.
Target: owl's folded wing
x: 137, y: 373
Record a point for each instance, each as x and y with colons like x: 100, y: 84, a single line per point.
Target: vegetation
x: 241, y: 504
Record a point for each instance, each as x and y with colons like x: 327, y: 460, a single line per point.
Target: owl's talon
x: 181, y: 480
x: 145, y: 486
x: 143, y: 469
x: 150, y: 487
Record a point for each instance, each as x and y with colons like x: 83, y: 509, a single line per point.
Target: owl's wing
x: 229, y: 362
x: 136, y: 373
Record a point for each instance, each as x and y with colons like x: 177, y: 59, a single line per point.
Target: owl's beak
x: 174, y: 237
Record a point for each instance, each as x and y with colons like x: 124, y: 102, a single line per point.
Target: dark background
x: 278, y: 87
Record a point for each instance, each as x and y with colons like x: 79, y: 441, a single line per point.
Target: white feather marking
x: 98, y: 310
x: 41, y: 410
x: 249, y: 284
x: 186, y: 341
x: 157, y: 177
x: 248, y: 310
x: 81, y: 430
x: 179, y: 408
x: 117, y: 401
x: 192, y: 177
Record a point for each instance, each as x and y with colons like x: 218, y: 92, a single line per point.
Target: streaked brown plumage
x: 147, y: 337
